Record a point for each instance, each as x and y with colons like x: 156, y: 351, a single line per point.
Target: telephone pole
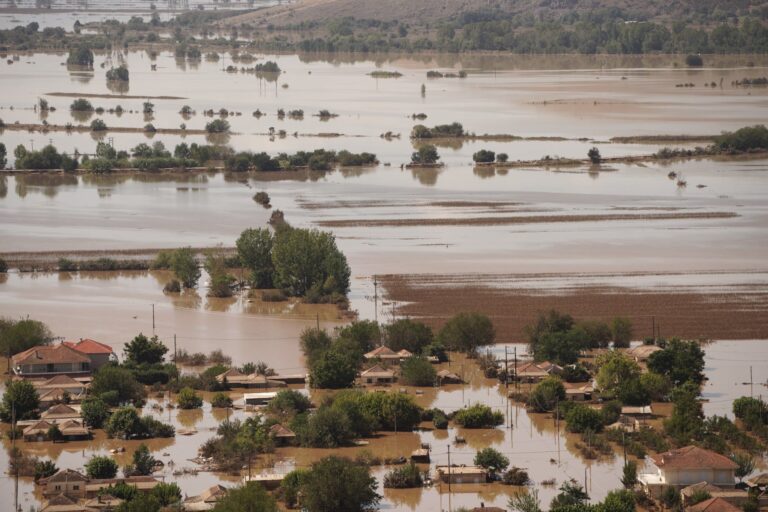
x: 506, y: 369
x: 153, y: 319
x: 375, y: 300
x: 449, y: 471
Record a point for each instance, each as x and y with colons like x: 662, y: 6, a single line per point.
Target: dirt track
x: 741, y: 312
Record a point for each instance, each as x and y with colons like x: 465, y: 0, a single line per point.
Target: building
x: 461, y: 474
x: 206, y: 500
x: 45, y: 361
x: 236, y: 379
x: 535, y: 372
x: 37, y: 431
x: 386, y: 354
x: 687, y: 466
x: 641, y: 353
x: 59, y: 389
x: 104, y: 502
x: 142, y: 484
x: 377, y: 375
x: 99, y: 353
x: 733, y: 496
x: 63, y: 503
x: 258, y: 398
x: 73, y: 430
x: 578, y: 391
x: 714, y: 505
x: 65, y: 481
x: 281, y: 434
x: 61, y: 412
x: 269, y: 481
x: 448, y: 377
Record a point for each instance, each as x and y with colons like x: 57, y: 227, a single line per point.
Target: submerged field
x: 594, y: 240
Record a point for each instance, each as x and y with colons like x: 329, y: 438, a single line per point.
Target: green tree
x: 393, y: 411
x: 289, y: 402
x: 290, y: 487
x: 221, y: 400
x: 19, y: 335
x: 581, y: 418
x: 746, y: 464
x: 326, y: 428
x: 185, y: 267
x: 570, y: 494
x: 101, y: 467
x: 20, y: 396
x: 314, y: 343
x: 124, y: 423
x: 525, y: 501
x: 621, y: 329
x: 142, y: 503
x: 492, y: 460
x: 547, y: 393
x: 620, y: 500
x: 656, y: 386
x: 166, y: 493
x: 594, y: 155
x: 404, y: 477
x: 407, y: 334
x: 686, y: 420
x: 365, y: 334
x: 308, y: 263
x: 188, y: 399
x: 484, y: 156
x: 44, y: 469
x: 425, y: 154
x: 220, y: 284
x: 417, y: 371
x: 334, y: 369
x: 143, y: 350
x: 478, y: 416
x: 3, y: 156
x: 254, y: 248
x: 250, y: 497
x: 629, y: 474
x: 338, y: 484
x: 616, y: 371
x: 466, y: 332
x: 116, y: 385
x: 681, y: 361
x: 94, y: 412
x: 143, y: 461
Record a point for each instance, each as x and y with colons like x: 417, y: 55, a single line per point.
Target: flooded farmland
x: 509, y: 241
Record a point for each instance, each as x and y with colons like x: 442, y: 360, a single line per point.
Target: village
x: 586, y: 395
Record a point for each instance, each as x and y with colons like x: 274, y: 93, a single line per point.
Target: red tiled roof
x: 380, y: 351
x: 89, y: 346
x: 60, y: 381
x: 692, y: 457
x: 714, y: 505
x: 44, y: 354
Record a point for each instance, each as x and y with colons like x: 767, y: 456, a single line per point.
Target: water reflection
x: 426, y: 176
x: 81, y: 116
x: 118, y: 86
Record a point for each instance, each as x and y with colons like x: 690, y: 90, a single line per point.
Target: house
x: 535, y: 372
x: 420, y: 455
x: 641, y: 353
x: 625, y: 423
x: 63, y: 382
x: 388, y: 355
x: 377, y: 375
x: 63, y: 503
x: 61, y: 412
x: 142, y: 484
x: 578, y: 391
x: 714, y: 505
x: 65, y: 481
x: 447, y: 377
x: 759, y: 482
x: 73, y: 430
x: 269, y: 481
x: 258, y: 398
x: 733, y: 496
x: 682, y: 467
x: 461, y: 474
x: 206, y: 500
x: 50, y: 360
x: 637, y: 411
x: 235, y: 378
x: 37, y: 431
x: 99, y: 353
x: 281, y: 434
x: 105, y: 502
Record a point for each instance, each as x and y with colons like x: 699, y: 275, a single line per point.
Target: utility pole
x: 449, y: 471
x: 515, y: 369
x: 318, y: 321
x: 153, y: 319
x: 175, y: 355
x: 506, y: 369
x: 15, y: 458
x: 653, y: 328
x: 375, y: 300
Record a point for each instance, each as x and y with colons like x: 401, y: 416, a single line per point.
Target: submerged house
x: 461, y: 474
x: 46, y: 361
x: 236, y: 379
x: 388, y: 355
x: 65, y: 481
x: 535, y: 372
x: 206, y: 500
x: 282, y: 434
x: 59, y: 389
x: 99, y: 353
x: 714, y: 505
x: 732, y: 495
x: 448, y: 377
x: 686, y: 466
x: 377, y: 375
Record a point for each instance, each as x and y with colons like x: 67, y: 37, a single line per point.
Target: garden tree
x: 116, y: 385
x: 325, y: 428
x: 515, y: 476
x: 417, y: 371
x: 254, y: 248
x: 598, y: 333
x: 657, y: 387
x: 616, y: 371
x: 753, y: 412
x: 492, y: 460
x: 20, y: 398
x: 525, y: 501
x: 629, y: 474
x: 576, y: 372
x: 466, y: 332
x: 289, y: 402
x: 621, y: 329
x: 478, y: 416
x: 141, y: 503
x: 19, y: 335
x: 94, y: 412
x: 188, y: 399
x: 571, y: 493
x: 143, y: 462
x: 405, y: 477
x: 681, y: 361
x: 620, y: 500
x: 408, y: 334
x: 425, y: 154
x: 54, y: 433
x: 393, y: 411
x: 547, y: 393
x: 314, y: 343
x: 291, y: 486
x: 698, y: 496
x: 123, y: 423
x: 101, y: 467
x: 143, y: 350
x: 594, y: 155
x: 249, y: 497
x: 3, y: 154
x: 366, y: 334
x: 338, y: 484
x: 686, y: 420
x: 221, y: 400
x: 334, y: 369
x: 44, y: 469
x: 581, y: 418
x: 166, y: 493
x: 220, y: 284
x: 555, y: 337
x: 80, y: 56
x: 308, y: 263
x: 745, y: 463
x: 363, y: 421
x: 185, y: 267
x: 670, y: 498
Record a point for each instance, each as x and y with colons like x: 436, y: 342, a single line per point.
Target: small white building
x: 687, y: 466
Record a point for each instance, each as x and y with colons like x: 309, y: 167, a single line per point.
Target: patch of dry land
x: 735, y: 311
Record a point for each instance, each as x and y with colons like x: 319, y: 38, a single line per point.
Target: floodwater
x: 531, y: 441
x: 556, y: 96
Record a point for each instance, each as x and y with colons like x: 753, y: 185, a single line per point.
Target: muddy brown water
x: 551, y: 96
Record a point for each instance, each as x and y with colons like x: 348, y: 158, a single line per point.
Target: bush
x: 491, y: 460
x: 502, y: 158
x: 594, y: 155
x: 439, y: 419
x: 582, y: 418
x: 426, y: 154
x: 515, y: 476
x: 150, y: 128
x: 466, y: 332
x: 98, y: 125
x: 81, y: 105
x: 262, y: 198
x: 217, y: 126
x: 119, y: 74
x: 221, y: 400
x: 484, y: 156
x: 172, y: 286
x: 417, y: 371
x: 478, y: 416
x: 694, y: 60
x: 101, y: 467
x: 744, y: 139
x: 188, y: 399
x: 406, y: 477
x: 547, y: 394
